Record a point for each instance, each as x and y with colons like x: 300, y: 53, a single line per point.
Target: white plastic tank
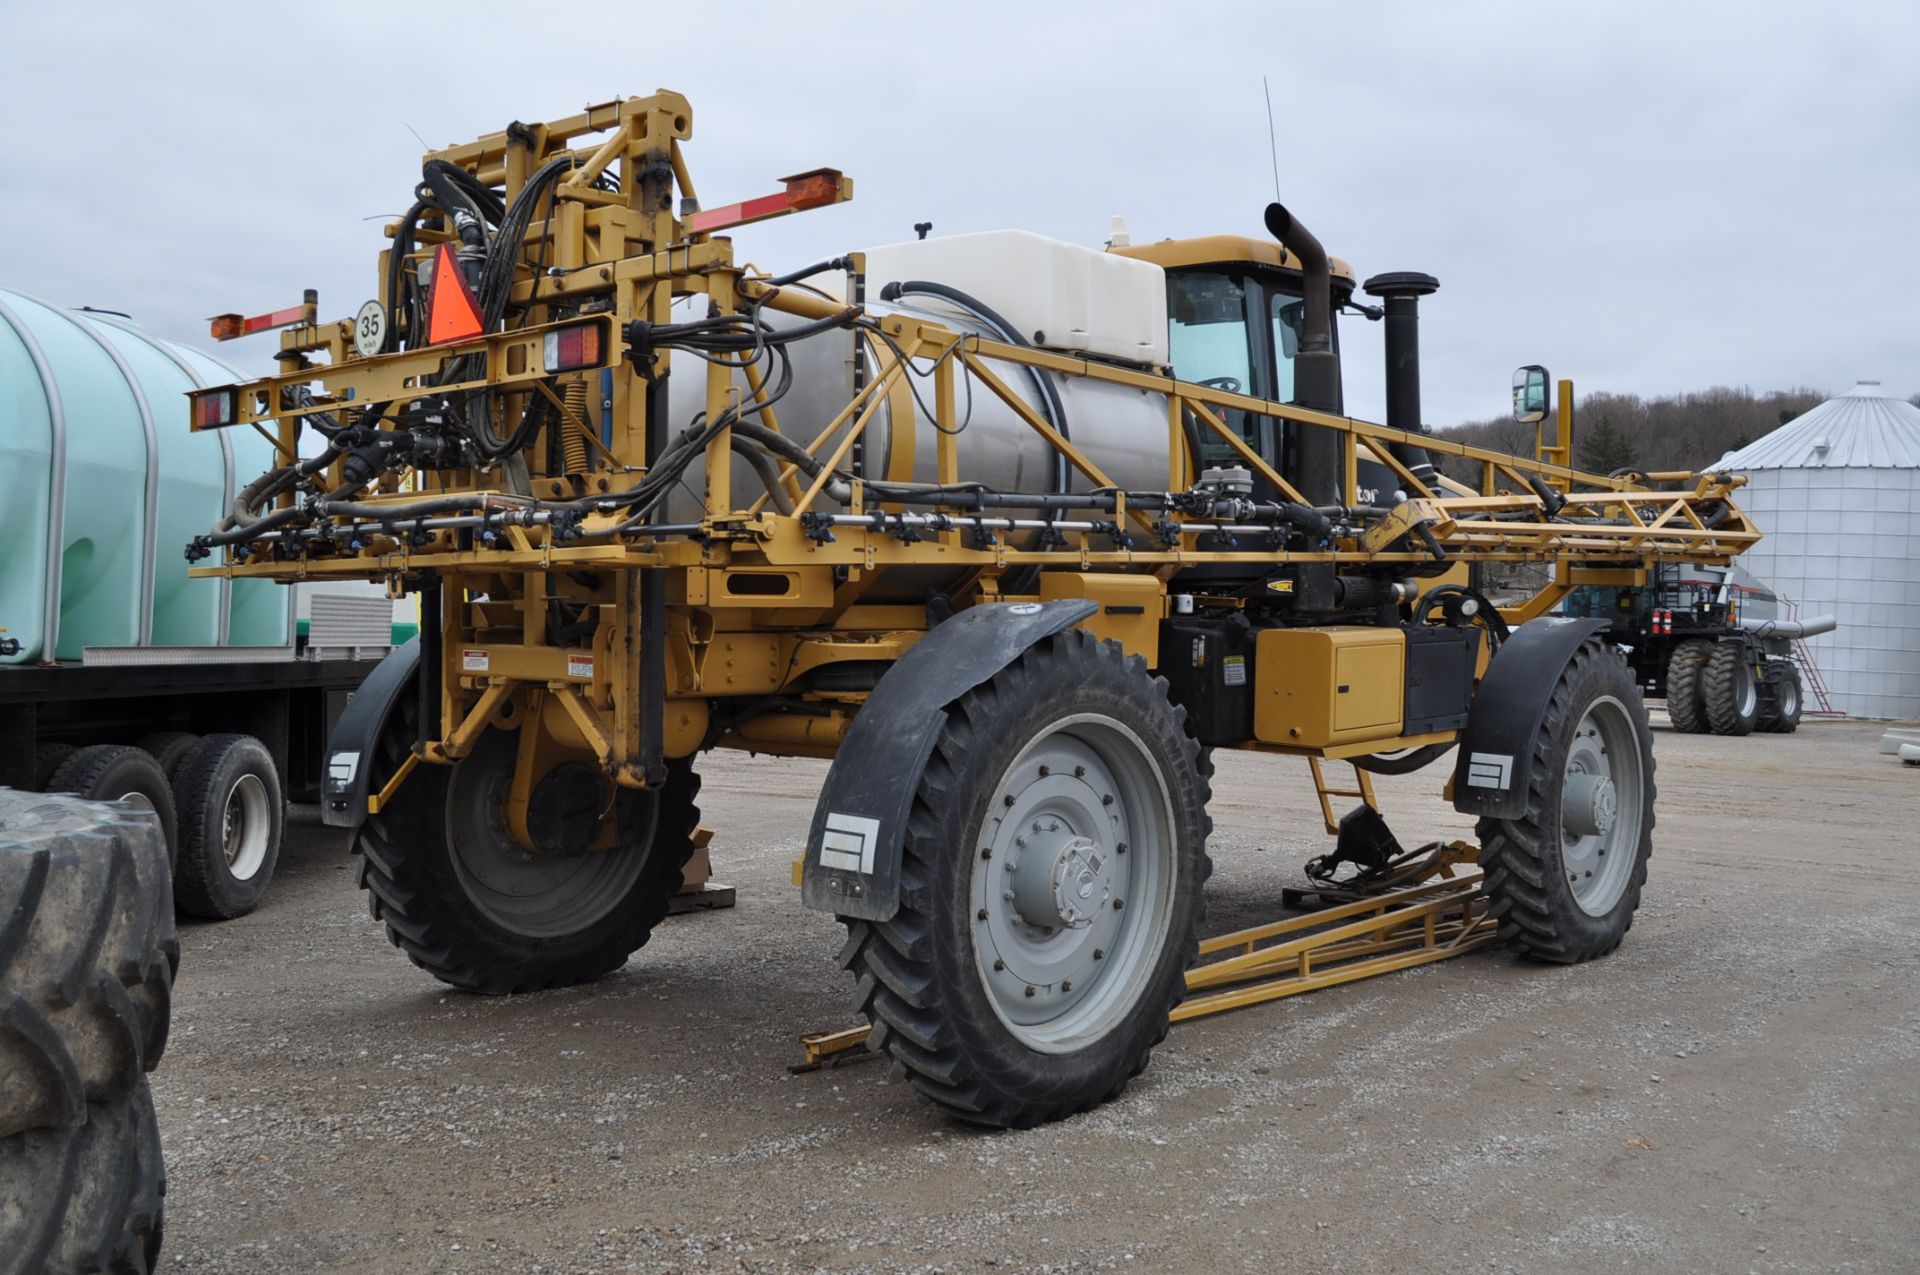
x: 102, y: 485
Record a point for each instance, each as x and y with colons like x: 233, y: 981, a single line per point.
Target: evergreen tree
x: 1603, y: 448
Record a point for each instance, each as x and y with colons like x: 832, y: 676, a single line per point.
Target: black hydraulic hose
x: 1403, y: 763
x: 764, y: 469
x: 1050, y: 404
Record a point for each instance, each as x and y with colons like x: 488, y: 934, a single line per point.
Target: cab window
x: 1207, y: 330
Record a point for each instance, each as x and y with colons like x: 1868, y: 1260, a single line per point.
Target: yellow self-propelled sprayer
x: 1015, y: 531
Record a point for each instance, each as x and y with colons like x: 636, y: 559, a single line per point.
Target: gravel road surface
x: 1737, y: 1089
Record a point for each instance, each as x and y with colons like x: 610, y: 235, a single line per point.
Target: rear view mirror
x: 1532, y: 394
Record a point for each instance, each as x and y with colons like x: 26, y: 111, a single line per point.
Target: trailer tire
x: 47, y: 758
x: 1564, y: 880
x: 90, y: 1197
x: 953, y: 1017
x: 168, y: 747
x: 1783, y: 716
x: 110, y: 772
x: 87, y: 956
x: 227, y: 793
x: 1685, y: 706
x: 1732, y: 699
x: 435, y: 912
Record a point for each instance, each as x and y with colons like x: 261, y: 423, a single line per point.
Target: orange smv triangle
x: 452, y: 313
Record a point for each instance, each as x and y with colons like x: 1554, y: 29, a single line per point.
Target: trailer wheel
x: 1782, y: 717
x: 1051, y: 890
x: 1732, y: 699
x: 475, y: 911
x: 227, y: 793
x: 47, y: 758
x: 1685, y: 702
x: 1565, y: 879
x: 168, y: 747
x: 89, y: 1197
x: 116, y: 772
x: 87, y: 955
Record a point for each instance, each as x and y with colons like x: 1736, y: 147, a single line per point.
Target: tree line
x: 1681, y: 431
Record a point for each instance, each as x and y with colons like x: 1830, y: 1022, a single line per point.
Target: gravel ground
x: 1738, y: 1088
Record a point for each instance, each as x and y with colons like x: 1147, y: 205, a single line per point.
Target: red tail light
x: 581, y: 345
x: 213, y: 409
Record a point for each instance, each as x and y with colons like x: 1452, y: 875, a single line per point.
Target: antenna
x: 423, y: 141
x: 1273, y: 143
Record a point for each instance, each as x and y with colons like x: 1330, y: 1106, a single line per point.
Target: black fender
x: 1490, y: 771
x: 860, y: 822
x: 350, y: 748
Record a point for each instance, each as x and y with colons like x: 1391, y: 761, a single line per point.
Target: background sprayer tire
x: 1727, y: 686
x: 944, y: 983
x: 87, y: 958
x: 426, y: 884
x: 1783, y: 717
x: 1685, y: 706
x: 1561, y: 892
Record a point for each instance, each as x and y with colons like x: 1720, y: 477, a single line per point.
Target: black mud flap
x: 343, y: 790
x: 1503, y: 722
x: 853, y: 851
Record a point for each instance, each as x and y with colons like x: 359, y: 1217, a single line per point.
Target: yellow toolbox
x: 1314, y: 688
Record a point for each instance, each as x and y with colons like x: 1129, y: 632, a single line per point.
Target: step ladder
x: 1810, y: 679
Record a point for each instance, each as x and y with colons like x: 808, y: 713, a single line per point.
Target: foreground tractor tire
x: 1732, y: 699
x: 1051, y: 890
x: 1563, y: 881
x: 479, y: 913
x: 1782, y: 716
x: 87, y: 958
x: 1686, y: 704
x: 227, y: 795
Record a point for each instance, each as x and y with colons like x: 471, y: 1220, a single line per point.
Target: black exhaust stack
x: 1402, y: 291
x: 1314, y: 453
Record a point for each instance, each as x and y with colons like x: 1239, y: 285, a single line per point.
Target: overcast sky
x: 1646, y: 198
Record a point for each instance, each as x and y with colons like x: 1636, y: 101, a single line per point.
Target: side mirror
x: 1532, y: 394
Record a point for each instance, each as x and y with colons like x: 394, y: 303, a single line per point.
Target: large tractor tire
x: 1050, y: 893
x: 1564, y: 879
x: 87, y: 958
x: 1732, y: 699
x: 1782, y: 716
x: 1686, y: 703
x: 478, y: 912
x: 117, y: 772
x: 227, y: 794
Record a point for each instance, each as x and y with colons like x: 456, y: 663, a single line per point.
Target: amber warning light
x: 228, y: 326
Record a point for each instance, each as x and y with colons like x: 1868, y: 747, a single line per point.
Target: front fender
x: 350, y: 748
x: 852, y: 865
x: 1503, y: 722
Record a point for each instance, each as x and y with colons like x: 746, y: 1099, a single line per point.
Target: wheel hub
x: 1591, y: 805
x: 1060, y: 880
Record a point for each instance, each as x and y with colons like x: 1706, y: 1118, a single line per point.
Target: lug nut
x: 1107, y: 800
x: 1065, y: 985
x: 981, y: 915
x: 1008, y: 896
x: 1007, y: 800
x: 1045, y: 771
x: 1029, y: 991
x: 986, y: 852
x: 1099, y: 954
x: 998, y: 965
x: 1121, y: 848
x: 1079, y: 772
x: 1118, y: 904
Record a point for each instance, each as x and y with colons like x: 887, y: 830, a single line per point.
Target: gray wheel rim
x: 1789, y: 699
x: 1073, y: 882
x: 1602, y: 795
x: 537, y: 895
x: 1747, y: 697
x: 246, y: 825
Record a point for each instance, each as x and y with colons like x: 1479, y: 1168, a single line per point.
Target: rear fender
x: 1503, y: 722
